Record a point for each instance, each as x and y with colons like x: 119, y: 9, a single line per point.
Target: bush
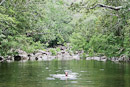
x: 53, y: 51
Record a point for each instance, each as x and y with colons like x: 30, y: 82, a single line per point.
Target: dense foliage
x: 104, y: 32
x: 33, y: 24
x: 37, y: 24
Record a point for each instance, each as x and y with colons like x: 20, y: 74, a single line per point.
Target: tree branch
x: 2, y: 2
x: 105, y: 6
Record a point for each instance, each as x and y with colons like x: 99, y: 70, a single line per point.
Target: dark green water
x: 89, y: 74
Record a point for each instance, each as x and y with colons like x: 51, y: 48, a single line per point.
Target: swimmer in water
x: 66, y: 73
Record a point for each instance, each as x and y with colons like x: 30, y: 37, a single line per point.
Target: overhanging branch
x: 105, y: 6
x: 110, y: 7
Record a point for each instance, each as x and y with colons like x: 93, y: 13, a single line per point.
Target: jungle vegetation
x: 98, y: 27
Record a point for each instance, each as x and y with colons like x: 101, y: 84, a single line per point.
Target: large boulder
x: 39, y: 58
x: 41, y: 55
x: 9, y: 59
x: 123, y: 58
x: 1, y: 58
x: 114, y: 59
x: 17, y: 58
x: 51, y: 57
x: 96, y: 58
x: 31, y: 57
x: 103, y: 58
x: 45, y: 57
x: 41, y: 52
x: 22, y: 55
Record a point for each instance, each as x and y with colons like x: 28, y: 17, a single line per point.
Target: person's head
x: 66, y: 73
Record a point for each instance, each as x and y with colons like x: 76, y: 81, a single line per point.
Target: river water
x: 51, y: 74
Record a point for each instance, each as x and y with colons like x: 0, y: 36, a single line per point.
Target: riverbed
x: 81, y: 73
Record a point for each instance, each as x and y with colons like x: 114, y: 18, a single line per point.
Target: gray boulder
x: 1, y: 58
x: 22, y: 55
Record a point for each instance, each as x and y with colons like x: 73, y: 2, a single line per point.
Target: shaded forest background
x: 38, y: 24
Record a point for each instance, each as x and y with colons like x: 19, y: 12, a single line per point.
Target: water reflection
x: 51, y: 74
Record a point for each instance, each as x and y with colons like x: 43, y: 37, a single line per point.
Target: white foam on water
x: 49, y: 78
x: 71, y: 76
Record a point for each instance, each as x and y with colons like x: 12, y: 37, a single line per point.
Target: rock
x: 63, y: 52
x: 43, y: 52
x: 96, y: 58
x: 76, y: 52
x: 9, y: 59
x: 103, y: 58
x: 62, y: 47
x: 1, y: 58
x: 52, y: 57
x: 41, y: 55
x: 37, y: 54
x: 89, y: 58
x: 114, y: 59
x: 123, y: 58
x: 22, y: 55
x: 65, y: 56
x: 31, y: 57
x: 39, y: 58
x: 45, y: 57
x: 21, y: 52
x: 17, y: 58
x: 59, y: 56
x: 76, y: 57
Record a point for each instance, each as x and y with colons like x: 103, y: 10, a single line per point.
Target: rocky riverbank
x: 63, y: 53
x: 50, y: 54
x: 114, y: 59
